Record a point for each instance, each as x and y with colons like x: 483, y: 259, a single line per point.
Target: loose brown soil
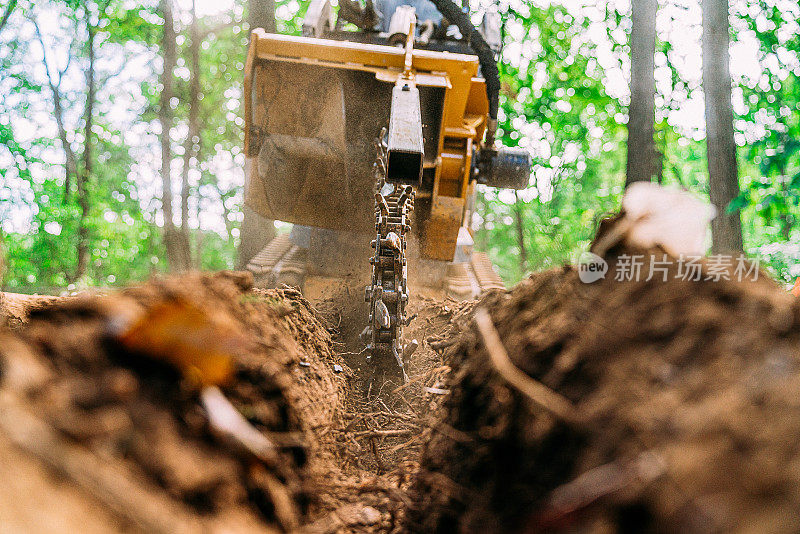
x: 686, y: 395
x: 122, y: 422
x: 96, y: 400
x: 385, y: 422
x: 15, y: 308
x: 683, y: 410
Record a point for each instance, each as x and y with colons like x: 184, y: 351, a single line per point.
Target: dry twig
x: 383, y: 433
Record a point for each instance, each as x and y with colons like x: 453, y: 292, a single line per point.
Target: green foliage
x: 123, y: 245
x: 768, y: 129
x: 289, y: 15
x: 554, y: 92
x: 123, y: 25
x: 556, y: 102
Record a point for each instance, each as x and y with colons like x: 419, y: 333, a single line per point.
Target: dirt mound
x: 117, y: 394
x: 654, y: 406
x: 15, y: 308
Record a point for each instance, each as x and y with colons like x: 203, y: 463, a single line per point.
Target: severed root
x: 577, y: 495
x: 537, y: 392
x: 231, y: 427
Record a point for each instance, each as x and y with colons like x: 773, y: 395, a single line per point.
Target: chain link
x: 388, y: 293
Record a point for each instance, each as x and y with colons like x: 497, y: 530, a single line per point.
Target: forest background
x: 121, y: 128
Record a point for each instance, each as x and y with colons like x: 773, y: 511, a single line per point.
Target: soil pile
x: 682, y: 415
x: 101, y: 391
x: 15, y: 308
x: 110, y: 391
x: 196, y: 403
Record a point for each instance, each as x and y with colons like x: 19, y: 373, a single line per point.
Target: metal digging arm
x: 398, y: 169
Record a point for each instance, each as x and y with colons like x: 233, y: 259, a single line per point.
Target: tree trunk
x: 83, y: 178
x: 192, y: 143
x: 168, y: 56
x: 88, y: 160
x: 71, y: 161
x: 726, y: 228
x: 7, y: 13
x: 71, y: 170
x: 262, y: 15
x: 226, y: 215
x: 176, y: 258
x: 520, y: 224
x: 642, y: 164
x: 785, y: 217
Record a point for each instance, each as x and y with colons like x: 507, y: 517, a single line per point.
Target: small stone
x: 337, y: 368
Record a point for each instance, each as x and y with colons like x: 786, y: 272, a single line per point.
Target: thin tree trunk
x: 192, y: 143
x: 175, y: 257
x: 84, y: 177
x: 199, y: 238
x: 642, y: 163
x: 262, y: 15
x: 71, y: 161
x: 520, y: 224
x: 786, y: 226
x: 168, y: 55
x: 226, y: 214
x: 785, y: 217
x: 7, y: 13
x: 192, y: 138
x: 726, y: 228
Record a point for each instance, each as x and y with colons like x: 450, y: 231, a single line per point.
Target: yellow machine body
x: 313, y: 111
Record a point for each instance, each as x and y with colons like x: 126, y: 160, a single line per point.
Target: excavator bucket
x: 312, y: 137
